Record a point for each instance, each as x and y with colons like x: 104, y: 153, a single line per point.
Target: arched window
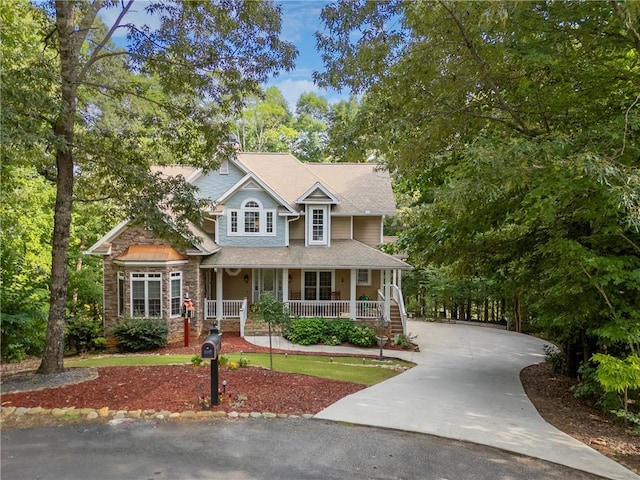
x: 251, y: 219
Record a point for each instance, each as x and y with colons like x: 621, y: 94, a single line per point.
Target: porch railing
x: 230, y: 308
x: 300, y: 308
x: 398, y: 297
x: 333, y: 308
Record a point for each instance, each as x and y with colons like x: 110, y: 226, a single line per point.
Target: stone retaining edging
x: 73, y: 413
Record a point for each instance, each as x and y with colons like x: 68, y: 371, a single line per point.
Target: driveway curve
x: 466, y: 386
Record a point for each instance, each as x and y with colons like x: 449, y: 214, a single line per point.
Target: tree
x: 265, y: 125
x: 311, y: 123
x: 274, y: 313
x: 515, y: 125
x: 196, y: 70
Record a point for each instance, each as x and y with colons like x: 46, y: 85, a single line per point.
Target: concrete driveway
x: 466, y: 386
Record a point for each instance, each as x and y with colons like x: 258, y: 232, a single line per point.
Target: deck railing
x: 301, y: 308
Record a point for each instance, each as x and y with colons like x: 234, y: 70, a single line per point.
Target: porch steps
x: 395, y: 320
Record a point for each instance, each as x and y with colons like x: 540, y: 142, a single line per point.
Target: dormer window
x: 317, y: 224
x: 251, y: 219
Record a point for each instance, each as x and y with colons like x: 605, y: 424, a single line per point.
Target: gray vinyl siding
x: 213, y: 185
x: 235, y: 202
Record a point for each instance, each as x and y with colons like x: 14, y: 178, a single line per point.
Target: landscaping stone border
x: 73, y: 413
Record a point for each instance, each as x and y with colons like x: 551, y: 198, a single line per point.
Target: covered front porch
x: 363, y: 304
x: 347, y: 280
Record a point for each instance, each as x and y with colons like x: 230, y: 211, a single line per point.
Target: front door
x: 268, y: 282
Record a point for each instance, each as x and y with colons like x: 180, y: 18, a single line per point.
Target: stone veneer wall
x: 192, y: 283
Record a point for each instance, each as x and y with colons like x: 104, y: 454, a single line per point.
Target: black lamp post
x: 211, y: 349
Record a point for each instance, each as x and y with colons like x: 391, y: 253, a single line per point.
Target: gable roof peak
x: 318, y: 193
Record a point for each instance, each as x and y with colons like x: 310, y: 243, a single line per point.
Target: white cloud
x: 292, y: 89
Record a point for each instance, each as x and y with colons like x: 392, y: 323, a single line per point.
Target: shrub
x: 311, y: 331
x: 362, y: 335
x: 197, y: 361
x: 306, y: 331
x: 84, y: 334
x: 340, y: 329
x: 556, y: 359
x: 243, y: 362
x: 22, y: 334
x: 135, y: 334
x: 223, y: 360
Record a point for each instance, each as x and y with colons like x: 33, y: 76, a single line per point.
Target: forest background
x: 511, y: 131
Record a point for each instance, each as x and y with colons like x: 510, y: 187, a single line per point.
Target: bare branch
x: 95, y: 56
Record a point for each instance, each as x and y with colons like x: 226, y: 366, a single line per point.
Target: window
x: 254, y: 220
x: 251, y: 217
x: 120, y: 294
x: 234, y: 222
x: 363, y: 277
x: 176, y: 294
x: 317, y: 224
x: 224, y: 167
x: 269, y: 222
x: 146, y: 295
x: 317, y: 285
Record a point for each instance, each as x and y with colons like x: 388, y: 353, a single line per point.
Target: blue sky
x: 300, y: 20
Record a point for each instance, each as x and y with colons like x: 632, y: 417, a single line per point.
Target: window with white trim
x: 252, y: 219
x: 176, y: 293
x: 146, y: 295
x: 363, y: 277
x: 317, y: 224
x: 120, y: 294
x: 318, y: 285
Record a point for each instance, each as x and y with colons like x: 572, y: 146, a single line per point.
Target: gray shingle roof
x: 361, y: 188
x: 341, y: 254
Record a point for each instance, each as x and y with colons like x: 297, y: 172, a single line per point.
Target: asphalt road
x: 256, y: 449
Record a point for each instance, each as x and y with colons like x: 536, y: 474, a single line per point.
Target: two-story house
x: 305, y: 232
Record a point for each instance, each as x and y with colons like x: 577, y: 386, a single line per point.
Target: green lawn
x: 349, y: 369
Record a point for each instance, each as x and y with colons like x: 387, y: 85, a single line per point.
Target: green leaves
x: 513, y: 127
x: 617, y: 375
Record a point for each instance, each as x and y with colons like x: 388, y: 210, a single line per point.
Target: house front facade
x: 306, y: 233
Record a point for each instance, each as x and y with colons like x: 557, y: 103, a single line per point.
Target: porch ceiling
x: 341, y: 254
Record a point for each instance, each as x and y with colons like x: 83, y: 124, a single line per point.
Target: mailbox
x: 211, y: 346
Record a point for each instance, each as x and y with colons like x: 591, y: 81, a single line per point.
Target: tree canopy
x: 513, y: 127
x: 91, y: 115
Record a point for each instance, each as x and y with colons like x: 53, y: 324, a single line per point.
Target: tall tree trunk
x: 486, y: 309
x: 516, y: 312
x: 74, y: 307
x: 52, y: 358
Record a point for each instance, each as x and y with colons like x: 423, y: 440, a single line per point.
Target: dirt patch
x: 552, y: 397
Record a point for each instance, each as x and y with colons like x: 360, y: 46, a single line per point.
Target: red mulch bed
x: 177, y: 388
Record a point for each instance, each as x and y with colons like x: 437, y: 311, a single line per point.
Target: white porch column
x: 219, y: 311
x: 352, y: 294
x: 387, y: 294
x: 285, y: 285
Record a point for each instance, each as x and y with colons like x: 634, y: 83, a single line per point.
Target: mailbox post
x: 211, y: 349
